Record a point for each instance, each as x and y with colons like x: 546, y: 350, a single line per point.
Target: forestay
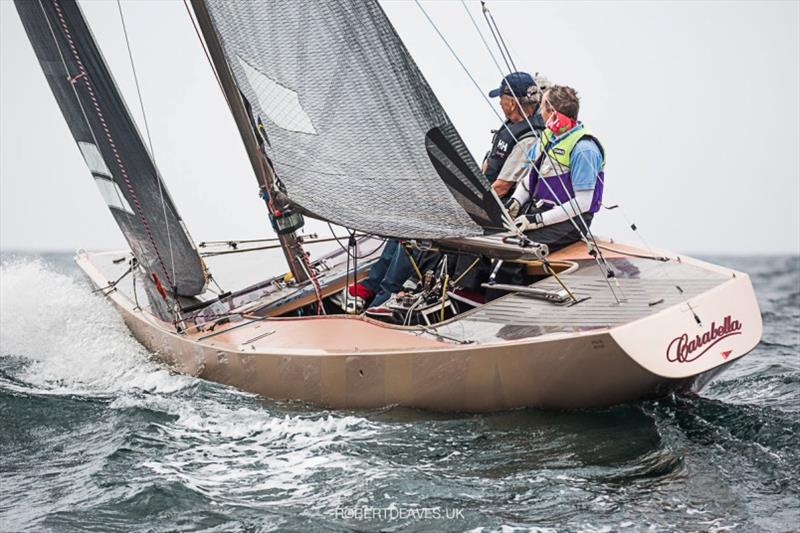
x: 111, y: 145
x: 353, y: 129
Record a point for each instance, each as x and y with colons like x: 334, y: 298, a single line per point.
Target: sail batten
x: 110, y: 143
x: 355, y: 133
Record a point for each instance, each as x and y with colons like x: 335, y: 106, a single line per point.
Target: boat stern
x: 708, y: 331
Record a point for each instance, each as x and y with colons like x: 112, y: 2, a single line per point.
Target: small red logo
x: 683, y: 350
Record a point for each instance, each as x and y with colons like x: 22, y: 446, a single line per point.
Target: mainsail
x: 111, y: 145
x: 351, y: 126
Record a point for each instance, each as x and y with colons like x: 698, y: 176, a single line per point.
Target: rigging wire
x: 205, y: 50
x: 235, y: 243
x: 487, y: 15
x: 149, y: 141
x: 575, y: 208
x: 265, y: 247
x: 113, y: 284
x: 599, y: 177
x: 594, y: 249
x: 478, y: 87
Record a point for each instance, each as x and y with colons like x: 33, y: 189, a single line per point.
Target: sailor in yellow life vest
x: 566, y: 179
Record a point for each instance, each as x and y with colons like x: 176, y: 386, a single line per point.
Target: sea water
x: 97, y: 436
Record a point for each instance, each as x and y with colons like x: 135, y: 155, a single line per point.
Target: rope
x: 344, y: 248
x: 413, y: 263
x: 135, y: 295
x: 444, y: 297
x: 312, y: 276
x: 470, y: 267
x: 347, y: 281
x: 654, y: 257
x: 355, y: 257
x: 552, y: 272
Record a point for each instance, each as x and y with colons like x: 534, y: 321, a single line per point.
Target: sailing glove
x: 513, y: 208
x: 529, y: 222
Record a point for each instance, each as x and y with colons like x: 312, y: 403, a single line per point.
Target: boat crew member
x: 567, y: 171
x: 504, y: 164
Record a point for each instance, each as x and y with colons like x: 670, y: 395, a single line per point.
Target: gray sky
x: 697, y: 104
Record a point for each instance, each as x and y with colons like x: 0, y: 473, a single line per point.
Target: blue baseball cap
x: 519, y: 82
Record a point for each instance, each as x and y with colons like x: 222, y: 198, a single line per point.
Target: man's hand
x: 529, y: 222
x: 513, y: 208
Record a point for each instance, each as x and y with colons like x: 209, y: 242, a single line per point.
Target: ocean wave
x: 72, y: 339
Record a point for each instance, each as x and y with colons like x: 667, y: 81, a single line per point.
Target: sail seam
x: 149, y: 138
x: 85, y: 77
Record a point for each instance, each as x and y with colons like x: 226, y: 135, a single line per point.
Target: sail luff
x: 262, y: 168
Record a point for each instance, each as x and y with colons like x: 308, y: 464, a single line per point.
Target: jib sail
x: 111, y: 145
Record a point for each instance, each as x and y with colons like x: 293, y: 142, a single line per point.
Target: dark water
x: 97, y: 437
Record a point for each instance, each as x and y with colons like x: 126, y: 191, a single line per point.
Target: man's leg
x: 378, y: 271
x: 397, y: 273
x: 560, y: 235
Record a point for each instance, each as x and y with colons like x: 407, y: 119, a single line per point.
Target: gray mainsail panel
x: 110, y: 143
x: 350, y: 119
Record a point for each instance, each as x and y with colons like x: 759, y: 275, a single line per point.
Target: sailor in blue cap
x: 519, y: 96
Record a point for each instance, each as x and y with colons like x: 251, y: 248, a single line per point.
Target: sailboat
x: 597, y: 323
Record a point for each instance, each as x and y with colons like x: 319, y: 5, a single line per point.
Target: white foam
x: 241, y: 455
x: 74, y: 340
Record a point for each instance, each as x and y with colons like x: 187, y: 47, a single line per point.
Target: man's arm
x: 502, y: 187
x: 515, y: 168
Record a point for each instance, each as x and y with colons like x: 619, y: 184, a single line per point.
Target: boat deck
x: 642, y: 286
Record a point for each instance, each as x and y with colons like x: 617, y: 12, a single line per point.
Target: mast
x: 265, y: 175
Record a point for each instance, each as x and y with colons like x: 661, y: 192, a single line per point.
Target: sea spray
x: 72, y: 338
